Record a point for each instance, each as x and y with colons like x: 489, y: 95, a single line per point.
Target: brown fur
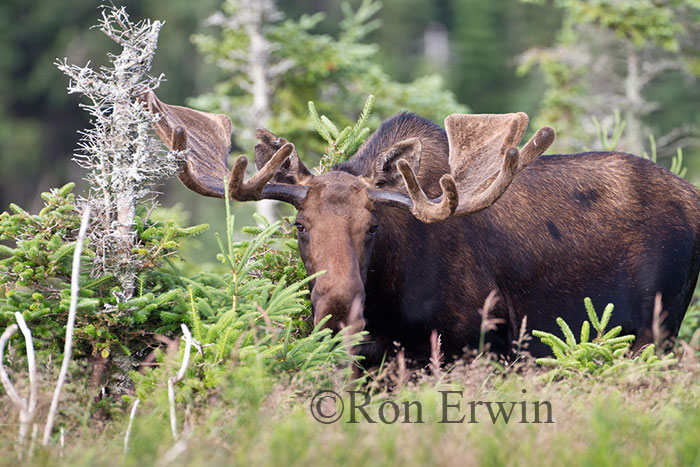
x: 610, y: 226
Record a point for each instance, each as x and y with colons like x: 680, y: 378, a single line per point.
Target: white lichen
x: 120, y: 152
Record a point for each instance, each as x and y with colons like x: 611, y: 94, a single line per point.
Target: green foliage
x: 676, y: 161
x: 334, y: 71
x: 35, y: 272
x: 560, y: 105
x: 341, y: 144
x: 254, y: 316
x: 250, y: 321
x: 634, y: 44
x: 610, y: 138
x: 641, y: 22
x: 604, y: 354
x: 690, y: 328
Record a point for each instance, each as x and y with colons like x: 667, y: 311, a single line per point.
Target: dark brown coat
x: 610, y: 226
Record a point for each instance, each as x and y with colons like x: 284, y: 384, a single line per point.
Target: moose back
x: 422, y: 225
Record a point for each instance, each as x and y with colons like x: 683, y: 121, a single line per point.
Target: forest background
x: 549, y: 59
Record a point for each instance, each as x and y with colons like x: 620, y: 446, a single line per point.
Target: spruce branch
x: 341, y: 144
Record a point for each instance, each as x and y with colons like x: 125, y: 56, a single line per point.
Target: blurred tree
x: 607, y: 55
x: 38, y: 121
x: 485, y: 36
x: 276, y: 66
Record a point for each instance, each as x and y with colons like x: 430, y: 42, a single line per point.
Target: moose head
x: 339, y: 217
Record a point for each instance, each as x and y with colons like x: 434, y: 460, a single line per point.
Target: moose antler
x: 483, y: 161
x: 207, y: 137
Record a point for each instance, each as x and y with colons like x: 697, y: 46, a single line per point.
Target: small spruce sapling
x: 604, y: 354
x: 342, y: 144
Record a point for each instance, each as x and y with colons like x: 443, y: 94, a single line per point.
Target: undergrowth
x: 604, y: 354
x: 255, y: 315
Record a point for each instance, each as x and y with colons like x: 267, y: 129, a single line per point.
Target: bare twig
x: 26, y: 408
x: 173, y: 453
x: 6, y: 383
x: 68, y: 347
x: 177, y: 378
x: 131, y: 421
x: 523, y: 338
x: 487, y: 323
x: 402, y: 375
x: 436, y: 355
x: 28, y: 415
x: 652, y: 70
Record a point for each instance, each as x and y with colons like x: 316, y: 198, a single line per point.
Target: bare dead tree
x: 25, y: 407
x: 120, y: 152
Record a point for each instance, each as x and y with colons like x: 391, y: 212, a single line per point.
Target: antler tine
x: 423, y: 208
x: 207, y: 139
x: 537, y: 145
x: 293, y: 171
x: 252, y: 190
x: 484, y: 158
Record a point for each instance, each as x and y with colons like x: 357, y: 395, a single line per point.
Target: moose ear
x: 385, y: 173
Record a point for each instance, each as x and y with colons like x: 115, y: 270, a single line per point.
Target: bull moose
x: 422, y: 224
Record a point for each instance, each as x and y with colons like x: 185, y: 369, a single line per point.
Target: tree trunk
x: 258, y: 59
x: 125, y: 231
x: 125, y: 203
x: 634, y: 139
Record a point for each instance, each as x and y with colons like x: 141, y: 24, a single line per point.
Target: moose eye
x: 300, y: 227
x: 373, y: 230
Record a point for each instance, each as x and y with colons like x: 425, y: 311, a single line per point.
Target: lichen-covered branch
x: 122, y: 156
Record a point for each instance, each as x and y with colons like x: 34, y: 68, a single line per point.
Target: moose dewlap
x: 421, y: 225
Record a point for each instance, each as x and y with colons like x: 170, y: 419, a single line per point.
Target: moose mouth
x: 343, y: 313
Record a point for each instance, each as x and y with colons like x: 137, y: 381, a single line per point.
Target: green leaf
x: 570, y: 339
x: 607, y: 313
x: 585, y: 332
x: 592, y: 316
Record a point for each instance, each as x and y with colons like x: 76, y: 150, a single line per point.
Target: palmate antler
x: 483, y: 159
x: 207, y: 137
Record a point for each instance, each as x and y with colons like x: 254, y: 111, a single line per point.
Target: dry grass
x: 640, y: 417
